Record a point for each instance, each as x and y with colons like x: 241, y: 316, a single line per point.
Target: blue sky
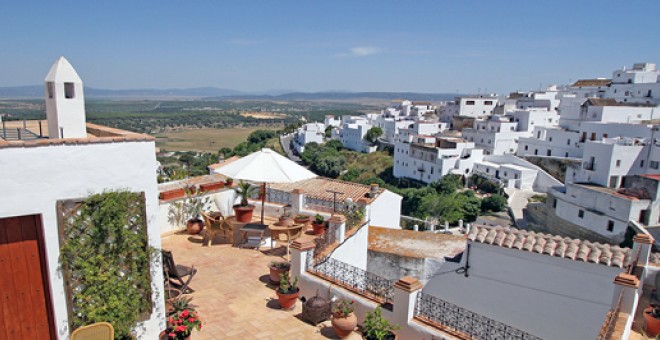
x: 423, y: 46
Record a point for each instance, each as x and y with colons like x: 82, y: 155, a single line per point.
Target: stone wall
x: 556, y: 167
x: 542, y: 218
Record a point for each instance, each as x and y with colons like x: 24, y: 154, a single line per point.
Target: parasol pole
x: 263, y: 200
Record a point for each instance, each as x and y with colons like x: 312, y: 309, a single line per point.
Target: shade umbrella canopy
x: 266, y: 166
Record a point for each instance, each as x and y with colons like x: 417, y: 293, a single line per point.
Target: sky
x: 417, y: 46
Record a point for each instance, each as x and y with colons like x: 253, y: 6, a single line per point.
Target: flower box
x: 172, y: 194
x: 212, y: 186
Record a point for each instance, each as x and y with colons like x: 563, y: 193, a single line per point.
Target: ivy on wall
x: 105, y: 258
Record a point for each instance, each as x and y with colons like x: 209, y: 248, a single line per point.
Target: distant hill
x: 29, y: 92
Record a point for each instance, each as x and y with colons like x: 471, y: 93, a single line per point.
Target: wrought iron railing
x: 357, y: 280
x: 325, y: 240
x: 278, y: 196
x: 610, y: 320
x: 464, y: 323
x: 316, y: 204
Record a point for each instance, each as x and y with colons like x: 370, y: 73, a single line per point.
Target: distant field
x: 206, y: 139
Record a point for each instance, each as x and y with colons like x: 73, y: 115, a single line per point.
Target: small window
x: 469, y: 102
x: 69, y: 91
x: 568, y: 142
x: 610, y: 225
x: 536, y: 151
x: 641, y: 163
x: 526, y: 147
x: 550, y: 139
x: 618, y: 163
x: 554, y: 203
x: 50, y: 87
x: 654, y: 165
x: 581, y: 213
x: 549, y: 152
x: 488, y: 102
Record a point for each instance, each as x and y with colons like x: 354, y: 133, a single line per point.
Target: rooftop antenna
x: 334, y: 199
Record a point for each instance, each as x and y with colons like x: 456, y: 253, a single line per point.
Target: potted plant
x: 377, y: 328
x: 302, y: 219
x: 172, y: 303
x: 288, y: 291
x: 181, y: 325
x: 229, y: 181
x: 243, y: 211
x: 318, y: 224
x: 189, y: 210
x: 343, y: 318
x: 286, y: 220
x: 277, y: 268
x: 652, y: 318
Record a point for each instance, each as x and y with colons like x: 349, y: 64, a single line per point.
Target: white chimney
x: 65, y: 102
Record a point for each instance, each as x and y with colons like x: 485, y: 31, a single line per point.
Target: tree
x: 448, y: 184
x: 373, y: 134
x: 494, y: 203
x: 330, y: 165
x: 328, y: 131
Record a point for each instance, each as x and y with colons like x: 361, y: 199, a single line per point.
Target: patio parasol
x: 265, y: 166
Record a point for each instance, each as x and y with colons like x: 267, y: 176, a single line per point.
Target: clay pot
x: 243, y: 214
x: 285, y: 221
x: 319, y: 228
x: 652, y: 325
x: 194, y: 226
x: 275, y: 274
x: 344, y: 326
x: 287, y: 301
x: 163, y: 336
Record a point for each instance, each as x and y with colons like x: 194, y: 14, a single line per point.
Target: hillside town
x: 577, y: 164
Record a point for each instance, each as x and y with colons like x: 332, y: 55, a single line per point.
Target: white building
x: 428, y: 158
x: 514, y: 173
x: 640, y: 84
x: 468, y: 106
x: 352, y: 132
x: 308, y: 133
x: 75, y: 160
x: 499, y: 134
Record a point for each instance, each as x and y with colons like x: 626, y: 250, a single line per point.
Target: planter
x: 163, y: 336
x: 229, y: 183
x: 652, y: 325
x: 287, y: 301
x: 285, y: 221
x: 319, y: 228
x: 275, y: 274
x: 344, y: 326
x: 211, y: 186
x: 173, y: 294
x: 389, y: 336
x: 194, y: 226
x: 172, y: 194
x: 304, y: 221
x: 243, y: 214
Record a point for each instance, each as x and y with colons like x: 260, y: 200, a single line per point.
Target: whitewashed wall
x: 385, y: 211
x: 354, y: 250
x: 33, y: 179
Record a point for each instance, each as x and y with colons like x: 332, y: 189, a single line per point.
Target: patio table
x: 253, y: 228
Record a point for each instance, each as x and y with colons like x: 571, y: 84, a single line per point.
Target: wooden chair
x: 96, y: 331
x: 216, y: 223
x: 177, y: 273
x: 287, y: 237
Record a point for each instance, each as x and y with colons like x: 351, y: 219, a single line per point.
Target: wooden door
x: 25, y: 311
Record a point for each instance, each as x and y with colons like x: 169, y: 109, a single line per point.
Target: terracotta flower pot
x: 652, y: 327
x: 243, y: 214
x: 285, y: 221
x: 287, y: 301
x: 194, y: 226
x: 319, y: 228
x: 163, y: 336
x: 344, y: 326
x: 275, y: 274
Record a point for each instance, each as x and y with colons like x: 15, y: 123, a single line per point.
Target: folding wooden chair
x: 96, y: 331
x: 177, y: 273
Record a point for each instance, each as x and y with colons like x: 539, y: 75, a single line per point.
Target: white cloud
x: 360, y: 51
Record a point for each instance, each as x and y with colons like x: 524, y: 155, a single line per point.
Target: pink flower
x: 185, y: 313
x: 181, y: 328
x: 191, y: 319
x: 172, y: 335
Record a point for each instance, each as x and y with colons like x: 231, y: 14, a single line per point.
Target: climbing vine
x: 105, y: 259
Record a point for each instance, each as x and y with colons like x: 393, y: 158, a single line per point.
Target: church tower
x: 65, y: 102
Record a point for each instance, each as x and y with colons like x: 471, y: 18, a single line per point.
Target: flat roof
x: 416, y: 244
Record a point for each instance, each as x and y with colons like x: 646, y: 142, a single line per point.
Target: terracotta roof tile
x: 592, y: 82
x: 574, y: 249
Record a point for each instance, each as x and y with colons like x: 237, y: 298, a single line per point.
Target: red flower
x: 191, y: 319
x: 185, y: 313
x: 181, y: 328
x: 172, y: 335
x: 171, y: 320
x: 200, y: 326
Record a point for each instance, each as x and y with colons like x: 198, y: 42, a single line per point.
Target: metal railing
x: 357, y: 280
x: 464, y: 323
x: 316, y: 204
x: 278, y: 196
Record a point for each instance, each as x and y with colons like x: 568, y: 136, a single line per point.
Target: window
x: 487, y: 170
x: 554, y: 203
x: 610, y: 225
x: 566, y: 154
x: 526, y: 147
x: 536, y: 151
x: 568, y: 142
x: 581, y: 213
x: 618, y: 163
x: 550, y: 139
x: 549, y: 152
x: 469, y: 102
x: 641, y: 163
x: 50, y: 87
x: 488, y: 102
x: 69, y: 91
x: 654, y: 165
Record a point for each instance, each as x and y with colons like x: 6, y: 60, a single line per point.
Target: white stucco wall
x: 354, y: 250
x: 385, y: 211
x: 550, y: 297
x: 34, y: 178
x: 221, y: 200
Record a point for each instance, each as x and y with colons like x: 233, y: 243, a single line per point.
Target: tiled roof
x: 574, y: 249
x: 318, y: 188
x: 592, y: 82
x: 601, y: 102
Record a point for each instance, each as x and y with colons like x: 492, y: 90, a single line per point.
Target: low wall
x: 394, y: 267
x: 221, y: 200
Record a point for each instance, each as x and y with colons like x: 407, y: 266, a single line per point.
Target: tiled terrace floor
x: 233, y: 296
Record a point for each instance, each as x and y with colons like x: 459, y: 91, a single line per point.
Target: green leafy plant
x: 181, y: 324
x: 288, y: 286
x: 343, y: 308
x: 106, y: 261
x: 182, y: 303
x: 376, y: 327
x: 188, y: 208
x: 245, y: 190
x: 319, y: 219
